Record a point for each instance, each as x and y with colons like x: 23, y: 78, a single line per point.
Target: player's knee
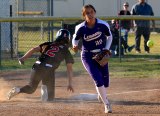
x: 99, y: 84
x: 106, y: 85
x: 27, y: 89
x: 31, y: 91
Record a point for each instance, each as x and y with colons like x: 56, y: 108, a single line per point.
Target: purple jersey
x: 94, y: 38
x: 97, y: 38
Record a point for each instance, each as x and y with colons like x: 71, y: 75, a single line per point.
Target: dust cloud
x: 4, y: 88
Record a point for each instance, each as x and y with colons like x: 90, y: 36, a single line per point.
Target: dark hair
x: 86, y: 7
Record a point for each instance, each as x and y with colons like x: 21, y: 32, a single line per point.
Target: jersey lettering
x: 98, y: 42
x: 51, y: 52
x: 93, y: 36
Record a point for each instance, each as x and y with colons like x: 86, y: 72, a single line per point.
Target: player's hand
x: 70, y: 88
x: 75, y: 48
x: 21, y: 61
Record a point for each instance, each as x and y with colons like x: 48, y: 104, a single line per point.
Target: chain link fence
x: 16, y: 38
x: 25, y: 35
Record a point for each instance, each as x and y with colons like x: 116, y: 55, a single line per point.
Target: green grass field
x: 130, y: 65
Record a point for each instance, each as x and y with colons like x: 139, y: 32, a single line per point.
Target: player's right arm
x: 75, y: 43
x: 29, y: 53
x: 33, y: 50
x: 76, y: 37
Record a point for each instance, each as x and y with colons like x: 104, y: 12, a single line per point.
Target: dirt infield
x: 128, y: 96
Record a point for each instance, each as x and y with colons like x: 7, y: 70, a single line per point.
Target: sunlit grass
x: 155, y: 37
x: 130, y: 65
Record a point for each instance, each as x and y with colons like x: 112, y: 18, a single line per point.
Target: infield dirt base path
x: 128, y: 96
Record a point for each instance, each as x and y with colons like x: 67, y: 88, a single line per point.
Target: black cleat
x: 131, y: 48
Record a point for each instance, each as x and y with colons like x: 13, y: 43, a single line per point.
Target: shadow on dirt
x: 131, y: 103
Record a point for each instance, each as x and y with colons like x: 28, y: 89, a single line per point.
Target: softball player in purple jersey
x: 96, y: 37
x: 52, y: 54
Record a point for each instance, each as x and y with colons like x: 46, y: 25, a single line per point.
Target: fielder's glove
x: 102, y: 57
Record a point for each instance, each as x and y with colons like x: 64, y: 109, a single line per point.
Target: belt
x: 48, y: 65
x: 93, y: 51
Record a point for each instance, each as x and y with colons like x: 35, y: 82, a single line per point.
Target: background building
x: 7, y: 6
x: 72, y: 8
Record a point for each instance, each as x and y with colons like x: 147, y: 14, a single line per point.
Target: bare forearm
x: 29, y: 53
x: 70, y: 75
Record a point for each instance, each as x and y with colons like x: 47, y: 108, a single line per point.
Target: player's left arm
x: 69, y: 63
x: 102, y: 57
x: 76, y: 38
x: 108, y: 37
x: 70, y: 76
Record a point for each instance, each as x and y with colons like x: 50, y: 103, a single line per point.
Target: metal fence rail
x: 19, y: 34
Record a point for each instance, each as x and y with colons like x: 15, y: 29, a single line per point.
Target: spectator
x: 115, y: 42
x: 125, y: 24
x: 142, y: 27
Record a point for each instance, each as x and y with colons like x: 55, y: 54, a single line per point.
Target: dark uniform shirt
x: 115, y: 34
x: 52, y: 53
x: 126, y: 24
x: 142, y: 9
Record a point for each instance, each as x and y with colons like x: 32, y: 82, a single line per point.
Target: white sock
x: 97, y: 90
x: 102, y: 92
x: 17, y: 89
x: 44, y: 93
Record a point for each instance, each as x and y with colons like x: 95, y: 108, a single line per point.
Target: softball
x: 150, y: 43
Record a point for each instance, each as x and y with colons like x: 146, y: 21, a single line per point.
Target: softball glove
x: 102, y: 57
